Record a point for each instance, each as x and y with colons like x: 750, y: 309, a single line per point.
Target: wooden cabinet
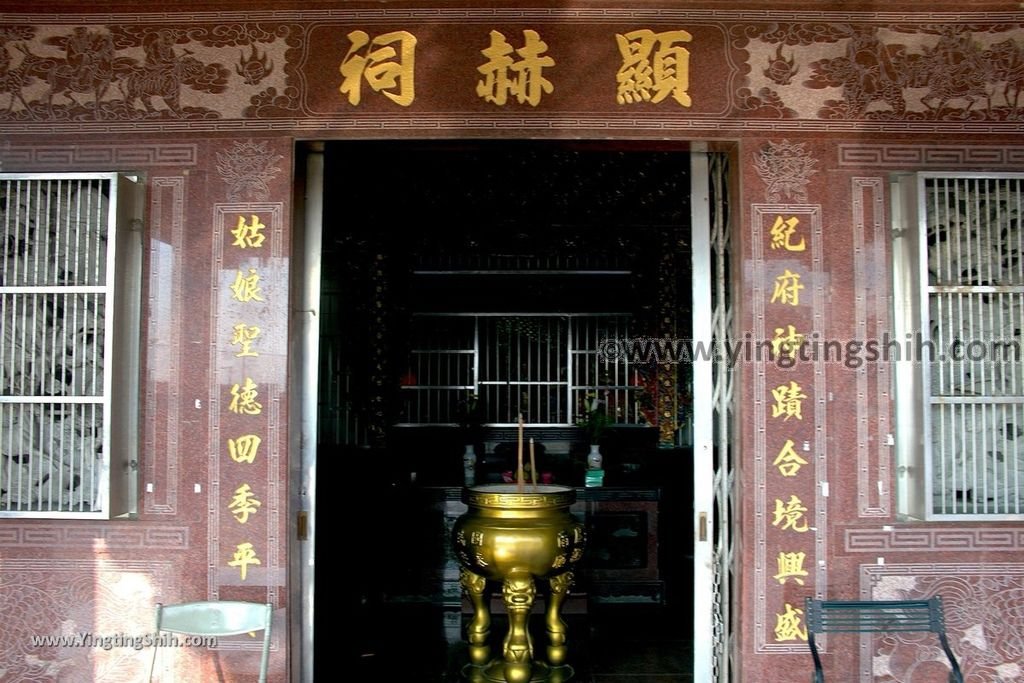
x: 622, y: 559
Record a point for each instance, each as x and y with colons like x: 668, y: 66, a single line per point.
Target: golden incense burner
x: 517, y: 534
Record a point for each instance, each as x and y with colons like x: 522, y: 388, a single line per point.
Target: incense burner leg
x: 518, y: 591
x: 555, y: 626
x: 480, y: 625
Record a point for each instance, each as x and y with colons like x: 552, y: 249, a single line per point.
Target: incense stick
x: 519, y: 454
x: 533, y: 466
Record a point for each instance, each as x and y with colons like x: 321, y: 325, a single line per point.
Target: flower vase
x: 469, y: 465
x: 595, y: 460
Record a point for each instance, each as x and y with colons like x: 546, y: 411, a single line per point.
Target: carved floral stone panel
x: 659, y: 64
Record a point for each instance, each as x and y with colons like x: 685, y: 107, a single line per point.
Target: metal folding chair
x: 215, y: 618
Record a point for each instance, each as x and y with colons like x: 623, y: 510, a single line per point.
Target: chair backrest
x: 216, y: 618
x: 877, y: 616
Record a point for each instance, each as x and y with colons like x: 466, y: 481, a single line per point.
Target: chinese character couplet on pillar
x: 242, y: 473
x: 790, y: 480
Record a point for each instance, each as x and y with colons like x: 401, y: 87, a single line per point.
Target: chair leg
x: 152, y: 660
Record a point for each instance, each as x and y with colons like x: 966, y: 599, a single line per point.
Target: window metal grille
x: 540, y: 366
x: 973, y: 316
x: 58, y: 322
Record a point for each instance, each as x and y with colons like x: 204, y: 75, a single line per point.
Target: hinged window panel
x: 68, y: 344
x: 970, y: 280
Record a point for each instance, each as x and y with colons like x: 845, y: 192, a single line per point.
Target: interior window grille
x: 69, y: 325
x: 542, y: 366
x: 970, y: 274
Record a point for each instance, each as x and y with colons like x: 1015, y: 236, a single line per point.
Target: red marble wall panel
x: 824, y: 103
x: 186, y: 537
x: 858, y: 521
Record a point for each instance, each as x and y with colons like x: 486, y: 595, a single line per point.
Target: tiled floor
x: 629, y: 644
x: 609, y: 644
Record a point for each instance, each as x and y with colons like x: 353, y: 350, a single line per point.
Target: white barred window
x: 543, y: 366
x: 69, y: 336
x: 959, y: 296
